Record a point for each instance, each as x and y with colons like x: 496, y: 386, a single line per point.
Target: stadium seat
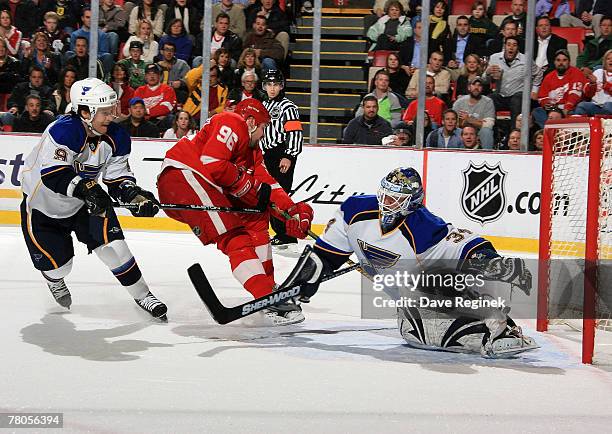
x: 503, y: 8
x: 3, y: 100
x: 462, y: 7
x: 497, y: 19
x: 573, y: 35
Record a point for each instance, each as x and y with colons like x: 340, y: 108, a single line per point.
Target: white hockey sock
x: 57, y: 274
x: 119, y: 259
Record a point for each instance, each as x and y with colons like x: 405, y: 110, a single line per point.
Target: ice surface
x: 111, y: 370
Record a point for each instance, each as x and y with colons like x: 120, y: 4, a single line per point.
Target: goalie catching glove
x: 148, y: 205
x: 250, y: 190
x: 492, y: 266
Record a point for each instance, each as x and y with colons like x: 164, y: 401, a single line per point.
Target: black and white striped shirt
x: 285, y: 129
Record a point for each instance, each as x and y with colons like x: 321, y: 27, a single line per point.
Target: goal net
x: 575, y: 257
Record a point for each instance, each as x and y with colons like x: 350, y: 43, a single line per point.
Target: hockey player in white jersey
x: 61, y: 195
x: 394, y: 229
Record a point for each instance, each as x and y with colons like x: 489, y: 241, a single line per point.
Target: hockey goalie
x: 394, y: 227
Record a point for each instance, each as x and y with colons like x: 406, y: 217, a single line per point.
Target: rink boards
x: 496, y: 194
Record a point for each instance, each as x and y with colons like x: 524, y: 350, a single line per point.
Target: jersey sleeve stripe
x: 49, y: 170
x: 364, y: 215
x: 405, y: 230
x: 116, y: 180
x: 320, y: 244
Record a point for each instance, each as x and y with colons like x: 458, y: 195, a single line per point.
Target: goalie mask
x: 91, y: 94
x: 399, y: 194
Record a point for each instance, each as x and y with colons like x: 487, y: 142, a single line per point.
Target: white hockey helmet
x: 93, y: 94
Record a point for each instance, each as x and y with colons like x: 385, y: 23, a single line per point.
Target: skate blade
x: 510, y: 353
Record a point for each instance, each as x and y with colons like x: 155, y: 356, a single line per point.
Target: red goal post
x: 575, y: 243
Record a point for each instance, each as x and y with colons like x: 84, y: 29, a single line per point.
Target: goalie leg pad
x: 307, y: 274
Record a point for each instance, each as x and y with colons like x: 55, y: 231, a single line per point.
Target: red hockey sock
x: 261, y: 240
x: 246, y: 266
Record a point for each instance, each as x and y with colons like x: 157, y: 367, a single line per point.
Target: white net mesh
x: 570, y: 170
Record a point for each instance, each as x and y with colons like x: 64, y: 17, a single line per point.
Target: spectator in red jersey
x: 9, y: 33
x: 561, y: 88
x: 434, y: 105
x: 159, y: 98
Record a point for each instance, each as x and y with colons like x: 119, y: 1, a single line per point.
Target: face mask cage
x: 392, y: 204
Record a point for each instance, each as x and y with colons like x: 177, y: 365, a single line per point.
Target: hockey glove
x: 494, y: 267
x: 148, y: 205
x: 251, y: 191
x: 97, y: 201
x: 301, y: 218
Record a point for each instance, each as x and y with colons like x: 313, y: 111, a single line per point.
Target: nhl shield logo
x: 483, y: 198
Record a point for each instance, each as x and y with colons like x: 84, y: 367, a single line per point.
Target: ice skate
x: 279, y: 315
x: 151, y: 304
x: 511, y: 343
x: 60, y: 292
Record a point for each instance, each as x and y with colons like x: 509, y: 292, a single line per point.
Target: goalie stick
x: 224, y: 315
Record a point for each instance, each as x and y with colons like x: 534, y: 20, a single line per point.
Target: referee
x: 281, y: 143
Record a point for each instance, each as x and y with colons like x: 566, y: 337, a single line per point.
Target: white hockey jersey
x: 421, y: 241
x: 65, y: 150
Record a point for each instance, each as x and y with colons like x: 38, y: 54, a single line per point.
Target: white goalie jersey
x: 418, y: 242
x: 64, y: 156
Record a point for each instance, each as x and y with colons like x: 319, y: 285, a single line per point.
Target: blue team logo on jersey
x: 483, y: 198
x: 376, y: 258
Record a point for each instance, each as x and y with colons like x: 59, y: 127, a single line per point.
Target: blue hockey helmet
x: 400, y: 192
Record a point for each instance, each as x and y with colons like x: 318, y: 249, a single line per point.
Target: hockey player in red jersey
x: 223, y: 166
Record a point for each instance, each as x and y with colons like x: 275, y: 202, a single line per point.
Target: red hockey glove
x: 299, y: 224
x: 250, y: 191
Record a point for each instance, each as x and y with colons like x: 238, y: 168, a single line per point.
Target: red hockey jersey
x: 159, y: 101
x: 219, y: 151
x: 564, y: 92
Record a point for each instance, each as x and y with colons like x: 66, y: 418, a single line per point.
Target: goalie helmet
x: 91, y: 94
x: 400, y: 193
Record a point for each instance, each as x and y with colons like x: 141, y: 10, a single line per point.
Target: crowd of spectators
x: 476, y: 73
x: 149, y: 51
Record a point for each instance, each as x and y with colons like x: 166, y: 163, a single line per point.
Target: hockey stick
x: 315, y: 237
x: 210, y: 208
x: 224, y: 315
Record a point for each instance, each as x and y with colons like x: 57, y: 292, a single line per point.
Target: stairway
x: 343, y: 72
